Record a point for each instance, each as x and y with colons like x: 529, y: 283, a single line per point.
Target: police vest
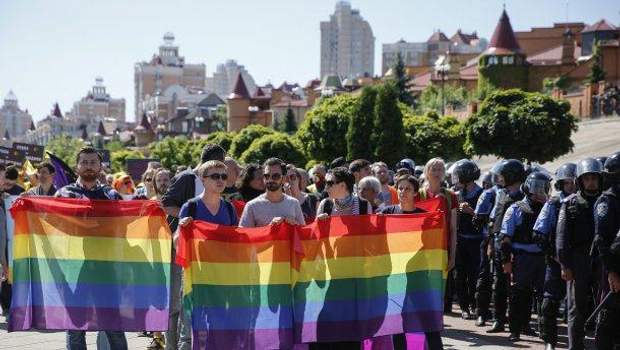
x: 465, y: 224
x: 503, y: 201
x: 580, y: 220
x: 555, y: 203
x: 524, y: 232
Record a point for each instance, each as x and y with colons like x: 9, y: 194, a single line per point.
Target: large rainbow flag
x: 347, y: 278
x: 90, y: 265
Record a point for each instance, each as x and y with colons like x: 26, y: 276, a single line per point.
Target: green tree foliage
x: 173, y: 151
x: 221, y: 138
x: 549, y: 84
x: 388, y: 132
x: 431, y: 136
x: 114, y: 146
x: 66, y: 148
x: 596, y: 71
x: 322, y: 134
x: 521, y: 125
x: 432, y: 97
x: 361, y: 126
x: 278, y: 145
x: 290, y: 125
x: 401, y: 79
x: 119, y: 158
x: 245, y: 137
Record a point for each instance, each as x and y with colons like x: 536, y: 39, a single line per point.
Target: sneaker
x: 497, y: 327
x: 481, y: 322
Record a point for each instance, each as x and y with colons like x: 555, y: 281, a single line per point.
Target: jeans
x: 76, y: 340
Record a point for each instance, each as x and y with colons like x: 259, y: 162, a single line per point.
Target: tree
x: 246, y: 136
x: 596, y: 71
x: 278, y: 145
x: 221, y: 138
x: 66, y: 148
x: 361, y: 126
x: 119, y: 158
x: 114, y: 146
x: 323, y: 133
x: 521, y: 125
x: 290, y: 125
x: 429, y: 136
x: 431, y: 98
x: 388, y: 133
x: 560, y: 82
x: 173, y: 151
x: 402, y: 79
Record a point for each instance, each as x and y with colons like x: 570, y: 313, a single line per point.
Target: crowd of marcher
x: 515, y: 248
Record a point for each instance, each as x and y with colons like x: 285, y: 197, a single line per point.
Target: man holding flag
x: 87, y: 186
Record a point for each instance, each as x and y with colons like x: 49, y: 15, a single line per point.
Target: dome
x: 10, y: 96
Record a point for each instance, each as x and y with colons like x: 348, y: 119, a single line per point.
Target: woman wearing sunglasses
x: 293, y: 187
x: 209, y: 205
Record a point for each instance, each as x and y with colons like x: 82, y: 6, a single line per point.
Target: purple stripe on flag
x: 243, y: 339
x: 354, y: 330
x: 88, y: 319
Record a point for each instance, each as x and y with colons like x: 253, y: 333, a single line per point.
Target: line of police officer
x: 518, y: 247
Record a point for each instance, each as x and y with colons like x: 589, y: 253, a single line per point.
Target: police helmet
x: 537, y: 183
x: 495, y: 172
x: 567, y: 171
x: 406, y: 163
x: 589, y: 166
x: 465, y: 171
x: 487, y: 178
x: 512, y: 171
x: 611, y: 170
x: 418, y: 171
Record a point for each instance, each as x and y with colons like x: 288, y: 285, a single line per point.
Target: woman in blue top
x: 209, y: 205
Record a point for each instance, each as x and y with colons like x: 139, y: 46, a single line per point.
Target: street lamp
x: 442, y: 67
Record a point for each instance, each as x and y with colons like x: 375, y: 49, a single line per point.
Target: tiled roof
x: 240, y: 91
x: 599, y: 26
x: 503, y: 40
x: 101, y: 129
x: 464, y: 38
x: 437, y: 36
x: 551, y: 56
x: 469, y: 72
x: 292, y: 103
x: 57, y: 113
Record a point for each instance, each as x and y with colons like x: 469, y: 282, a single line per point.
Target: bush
x: 521, y: 125
x: 119, y: 159
x: 427, y: 137
x: 242, y: 141
x: 221, y: 138
x: 66, y: 148
x: 173, y: 152
x: 322, y: 134
x: 277, y: 145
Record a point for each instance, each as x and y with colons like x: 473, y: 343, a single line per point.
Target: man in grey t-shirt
x: 273, y: 206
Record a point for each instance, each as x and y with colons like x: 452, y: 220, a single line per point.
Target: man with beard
x: 87, y: 186
x: 274, y: 206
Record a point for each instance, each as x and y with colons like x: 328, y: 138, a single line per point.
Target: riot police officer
x: 607, y: 227
x: 485, y: 204
x: 545, y: 226
x: 520, y: 251
x: 469, y: 237
x: 511, y: 176
x: 575, y: 234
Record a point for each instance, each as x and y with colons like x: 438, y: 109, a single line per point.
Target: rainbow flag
x: 347, y: 278
x: 237, y: 285
x: 90, y: 265
x: 369, y: 276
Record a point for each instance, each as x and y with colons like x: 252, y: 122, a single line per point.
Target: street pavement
x: 596, y: 137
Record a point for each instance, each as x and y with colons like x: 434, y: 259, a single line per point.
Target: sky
x: 51, y: 51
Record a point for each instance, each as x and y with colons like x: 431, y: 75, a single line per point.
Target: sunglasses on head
x: 274, y: 177
x: 217, y: 176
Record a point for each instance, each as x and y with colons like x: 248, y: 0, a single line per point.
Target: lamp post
x: 442, y: 67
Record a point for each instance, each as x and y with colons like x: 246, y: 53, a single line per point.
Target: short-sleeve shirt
x: 225, y: 214
x: 260, y: 211
x: 396, y: 209
x: 547, y: 219
x: 512, y: 219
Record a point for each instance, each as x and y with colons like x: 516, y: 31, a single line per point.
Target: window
x: 508, y: 60
x: 492, y: 60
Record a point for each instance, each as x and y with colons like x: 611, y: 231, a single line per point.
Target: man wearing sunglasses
x: 274, y: 206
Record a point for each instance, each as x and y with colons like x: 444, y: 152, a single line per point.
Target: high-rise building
x: 98, y: 105
x: 164, y: 70
x: 13, y: 120
x: 225, y: 76
x: 347, y: 44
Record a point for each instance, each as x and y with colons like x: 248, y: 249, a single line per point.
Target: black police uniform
x: 607, y: 227
x: 575, y: 234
